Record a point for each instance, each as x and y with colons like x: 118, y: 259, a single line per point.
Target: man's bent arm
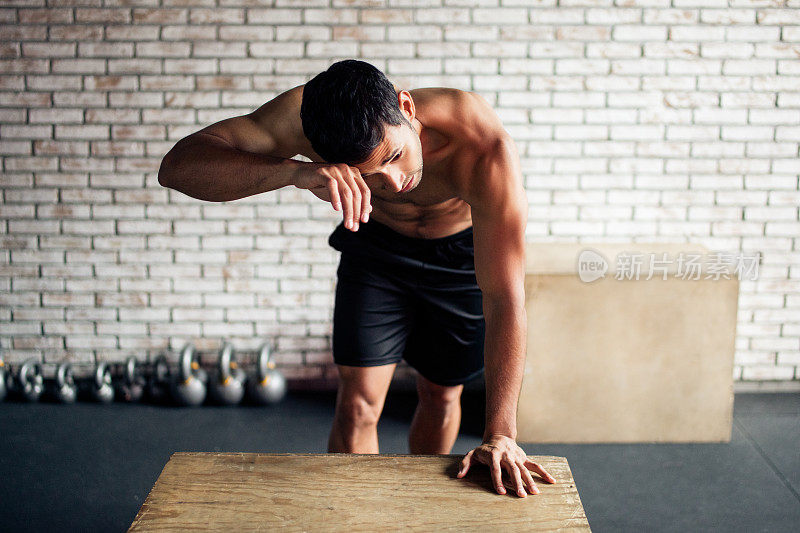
x: 207, y: 167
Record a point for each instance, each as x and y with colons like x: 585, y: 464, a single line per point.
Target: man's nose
x: 396, y: 181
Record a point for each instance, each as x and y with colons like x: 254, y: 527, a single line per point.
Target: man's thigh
x: 372, y: 315
x: 446, y: 344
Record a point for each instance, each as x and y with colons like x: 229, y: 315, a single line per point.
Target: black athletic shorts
x: 403, y: 297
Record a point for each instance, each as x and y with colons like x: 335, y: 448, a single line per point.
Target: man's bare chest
x: 433, y: 209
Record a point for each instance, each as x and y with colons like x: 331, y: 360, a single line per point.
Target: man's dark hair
x: 346, y: 109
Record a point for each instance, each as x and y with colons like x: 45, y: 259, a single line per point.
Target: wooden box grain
x: 350, y: 492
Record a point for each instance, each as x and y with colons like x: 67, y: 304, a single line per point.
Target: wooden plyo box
x: 621, y: 359
x: 350, y: 492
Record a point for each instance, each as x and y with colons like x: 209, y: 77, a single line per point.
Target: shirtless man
x: 440, y: 254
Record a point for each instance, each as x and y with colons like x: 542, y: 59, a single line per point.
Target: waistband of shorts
x: 373, y: 227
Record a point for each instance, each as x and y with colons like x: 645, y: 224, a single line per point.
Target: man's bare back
x: 450, y: 131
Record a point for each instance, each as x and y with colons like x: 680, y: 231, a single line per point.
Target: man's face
x: 396, y: 163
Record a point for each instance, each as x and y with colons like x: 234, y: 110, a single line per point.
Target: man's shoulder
x: 464, y: 116
x: 483, y: 145
x: 483, y: 120
x: 282, y: 113
x: 437, y: 94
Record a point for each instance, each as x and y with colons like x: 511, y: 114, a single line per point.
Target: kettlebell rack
x: 192, y: 379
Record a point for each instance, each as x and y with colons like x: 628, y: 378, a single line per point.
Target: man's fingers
x: 347, y: 196
x: 465, y: 464
x: 347, y: 204
x: 365, y: 199
x: 347, y: 190
x: 497, y: 475
x: 528, y: 479
x: 520, y: 479
x: 515, y: 475
x: 355, y: 191
x: 333, y: 189
x: 536, y: 467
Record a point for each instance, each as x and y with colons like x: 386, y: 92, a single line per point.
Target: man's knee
x: 439, y: 396
x: 362, y: 392
x: 356, y: 411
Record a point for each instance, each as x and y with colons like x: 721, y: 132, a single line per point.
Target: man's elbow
x: 505, y: 299
x: 166, y: 169
x: 162, y: 176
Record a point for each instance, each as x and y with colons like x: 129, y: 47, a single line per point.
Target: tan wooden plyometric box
x: 350, y: 492
x: 627, y: 360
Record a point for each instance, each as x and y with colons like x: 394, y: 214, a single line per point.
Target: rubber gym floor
x: 89, y: 467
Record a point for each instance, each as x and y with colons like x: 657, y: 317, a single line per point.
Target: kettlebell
x: 64, y: 388
x: 268, y: 386
x: 228, y: 387
x: 131, y: 384
x: 102, y: 390
x: 3, y: 387
x: 158, y: 382
x: 30, y: 380
x: 188, y: 387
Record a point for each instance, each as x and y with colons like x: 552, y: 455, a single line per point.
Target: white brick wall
x: 637, y: 120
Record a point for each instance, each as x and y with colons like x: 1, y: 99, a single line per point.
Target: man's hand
x: 339, y: 184
x: 499, y: 451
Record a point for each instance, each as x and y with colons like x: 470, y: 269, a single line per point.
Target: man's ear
x: 406, y: 104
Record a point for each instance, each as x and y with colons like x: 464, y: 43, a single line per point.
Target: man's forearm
x: 207, y: 168
x: 504, y: 358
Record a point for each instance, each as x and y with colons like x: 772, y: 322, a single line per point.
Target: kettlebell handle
x: 64, y: 375
x: 130, y: 370
x: 226, y: 362
x: 161, y: 368
x: 264, y: 362
x: 187, y: 364
x: 102, y: 374
x: 30, y: 366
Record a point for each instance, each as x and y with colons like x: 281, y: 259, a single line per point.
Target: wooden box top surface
x: 354, y: 492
